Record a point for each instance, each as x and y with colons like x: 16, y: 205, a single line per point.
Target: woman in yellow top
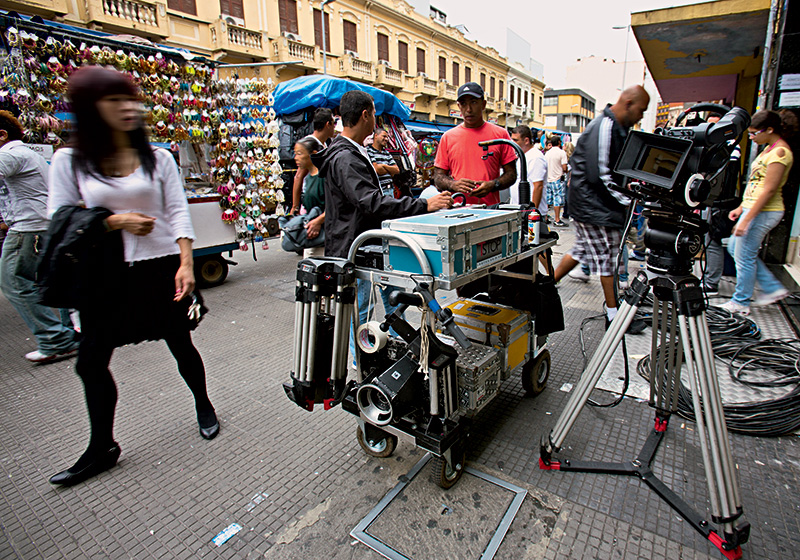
x: 761, y: 210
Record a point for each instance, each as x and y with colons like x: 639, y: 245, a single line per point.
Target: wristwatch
x: 497, y: 184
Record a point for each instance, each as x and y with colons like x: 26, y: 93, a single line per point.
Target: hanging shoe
x: 85, y: 469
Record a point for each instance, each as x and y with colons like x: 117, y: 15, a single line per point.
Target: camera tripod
x: 680, y: 332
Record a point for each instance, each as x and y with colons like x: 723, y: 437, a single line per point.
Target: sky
x: 559, y: 31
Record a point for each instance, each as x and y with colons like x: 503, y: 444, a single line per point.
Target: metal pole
x: 324, y: 35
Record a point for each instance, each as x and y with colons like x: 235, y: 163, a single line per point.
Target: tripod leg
x: 608, y: 345
x: 723, y: 486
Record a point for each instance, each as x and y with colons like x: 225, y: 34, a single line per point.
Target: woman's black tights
x: 101, y: 391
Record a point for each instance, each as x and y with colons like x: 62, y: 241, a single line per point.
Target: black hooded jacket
x: 590, y: 198
x: 353, y: 199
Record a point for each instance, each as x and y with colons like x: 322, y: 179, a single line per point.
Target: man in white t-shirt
x: 556, y: 172
x: 537, y: 169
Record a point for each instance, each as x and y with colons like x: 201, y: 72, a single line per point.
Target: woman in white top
x: 111, y: 165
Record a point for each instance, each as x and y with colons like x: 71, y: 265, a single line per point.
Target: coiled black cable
x: 757, y: 363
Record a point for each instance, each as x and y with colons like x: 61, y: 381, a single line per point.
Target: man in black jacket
x: 597, y: 209
x: 354, y: 202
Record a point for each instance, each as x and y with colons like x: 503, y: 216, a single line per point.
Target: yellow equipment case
x: 504, y: 328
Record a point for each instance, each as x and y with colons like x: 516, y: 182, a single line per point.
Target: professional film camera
x: 674, y: 173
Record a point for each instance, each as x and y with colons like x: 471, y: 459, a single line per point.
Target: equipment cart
x: 415, y: 382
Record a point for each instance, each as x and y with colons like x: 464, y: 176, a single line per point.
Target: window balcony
x: 351, y: 67
x: 389, y: 77
x: 126, y: 15
x: 422, y: 85
x: 447, y: 91
x: 233, y: 40
x: 288, y: 50
x: 47, y: 8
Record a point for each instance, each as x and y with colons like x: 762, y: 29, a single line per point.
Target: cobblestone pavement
x: 298, y: 482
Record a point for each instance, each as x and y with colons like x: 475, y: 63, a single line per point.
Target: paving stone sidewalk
x: 298, y: 482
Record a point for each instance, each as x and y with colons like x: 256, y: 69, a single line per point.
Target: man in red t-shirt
x: 459, y: 165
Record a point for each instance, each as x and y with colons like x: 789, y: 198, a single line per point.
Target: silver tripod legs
x: 680, y: 335
x: 593, y: 372
x: 723, y: 483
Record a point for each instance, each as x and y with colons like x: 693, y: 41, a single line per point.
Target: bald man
x: 598, y: 211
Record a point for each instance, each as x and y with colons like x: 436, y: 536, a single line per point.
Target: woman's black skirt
x: 136, y: 304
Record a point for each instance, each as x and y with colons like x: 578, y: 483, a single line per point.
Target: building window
x: 402, y: 56
x: 318, y: 30
x: 526, y: 97
x: 455, y: 74
x: 483, y: 81
x: 442, y: 68
x: 550, y: 101
x: 501, y: 91
x: 234, y: 8
x: 383, y: 47
x: 540, y: 105
x: 467, y: 74
x: 185, y: 6
x: 420, y: 61
x: 287, y: 10
x: 511, y: 94
x: 491, y: 87
x: 350, y: 37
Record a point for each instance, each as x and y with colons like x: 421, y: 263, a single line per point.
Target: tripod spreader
x: 679, y: 335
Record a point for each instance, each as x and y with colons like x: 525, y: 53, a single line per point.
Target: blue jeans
x: 53, y: 331
x: 364, y: 308
x: 749, y: 268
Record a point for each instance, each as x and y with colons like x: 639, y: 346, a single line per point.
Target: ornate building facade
x: 385, y: 43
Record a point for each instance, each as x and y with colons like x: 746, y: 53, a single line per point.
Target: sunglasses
x: 751, y: 134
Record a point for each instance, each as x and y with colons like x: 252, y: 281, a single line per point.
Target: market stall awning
x: 700, y: 52
x: 318, y: 90
x: 429, y: 127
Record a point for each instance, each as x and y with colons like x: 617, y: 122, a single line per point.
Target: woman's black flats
x: 209, y: 425
x: 101, y: 463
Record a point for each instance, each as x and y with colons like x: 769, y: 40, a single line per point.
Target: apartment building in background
x: 568, y: 110
x: 385, y: 43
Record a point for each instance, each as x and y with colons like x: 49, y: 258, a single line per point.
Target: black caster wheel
x: 535, y: 373
x: 383, y: 447
x: 444, y: 475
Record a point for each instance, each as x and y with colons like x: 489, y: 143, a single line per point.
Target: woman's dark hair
x: 784, y: 123
x: 311, y: 146
x: 93, y: 139
x: 10, y: 124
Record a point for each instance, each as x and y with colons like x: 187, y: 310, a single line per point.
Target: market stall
x: 296, y: 100
x: 219, y: 131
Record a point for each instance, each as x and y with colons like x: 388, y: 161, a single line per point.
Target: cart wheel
x: 210, y: 271
x: 445, y: 476
x: 377, y: 448
x: 535, y: 373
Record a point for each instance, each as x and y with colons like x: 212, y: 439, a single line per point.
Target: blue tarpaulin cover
x: 324, y: 91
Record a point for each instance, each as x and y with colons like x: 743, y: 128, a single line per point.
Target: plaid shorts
x: 554, y: 193
x: 597, y: 247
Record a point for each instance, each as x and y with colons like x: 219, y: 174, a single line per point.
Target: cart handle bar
x: 403, y: 238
